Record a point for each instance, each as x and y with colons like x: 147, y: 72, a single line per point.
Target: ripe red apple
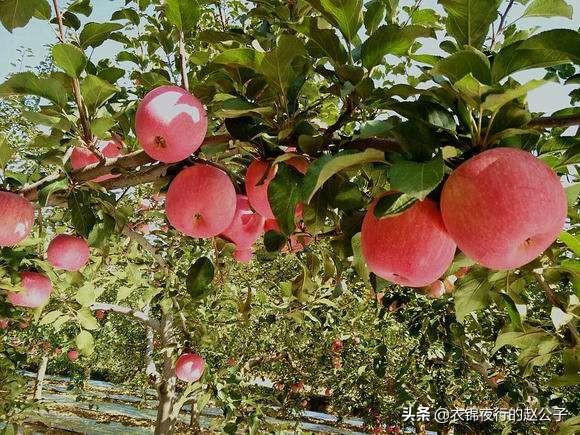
x: 278, y: 386
x: 337, y: 345
x: 189, y: 367
x: 36, y: 290
x: 337, y: 362
x: 16, y: 219
x: 201, y: 201
x: 68, y: 252
x: 257, y: 184
x: 410, y: 249
x: 297, y: 387
x: 503, y: 207
x: 4, y: 323
x: 170, y: 124
x: 72, y: 355
x: 82, y: 157
x: 245, y: 229
x: 231, y: 361
x: 328, y: 391
x: 100, y: 314
x: 436, y: 289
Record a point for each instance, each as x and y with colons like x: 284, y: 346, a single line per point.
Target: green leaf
x: 468, y: 21
x: 571, y: 241
x: 87, y: 320
x: 471, y: 90
x: 276, y: 65
x: 393, y: 204
x: 512, y: 311
x: 550, y: 48
x: 549, y: 8
x: 6, y: 151
x: 374, y: 15
x: 327, y: 166
x: 532, y: 337
x: 473, y: 291
x: 244, y: 57
x: 494, y: 102
x: 417, y: 179
x: 126, y: 14
x: 183, y: 14
x: 124, y: 292
x: 274, y: 241
x: 46, y: 192
x: 82, y: 212
x: 94, y: 34
x: 359, y: 263
x: 465, y: 62
x: 391, y: 39
x: 323, y: 42
x: 85, y: 343
x: 101, y: 232
x: 347, y: 15
x: 199, y: 278
x: 55, y: 87
x: 50, y: 317
x: 86, y: 295
x: 284, y: 194
x: 81, y: 7
x: 96, y: 92
x: 17, y: 13
x: 70, y: 58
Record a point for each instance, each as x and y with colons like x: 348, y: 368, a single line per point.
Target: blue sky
x: 38, y: 35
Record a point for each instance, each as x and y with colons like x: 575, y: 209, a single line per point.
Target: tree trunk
x: 40, y: 377
x: 165, y: 424
x: 193, y: 418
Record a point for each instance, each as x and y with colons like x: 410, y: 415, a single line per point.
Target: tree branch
x: 556, y: 121
x: 183, y: 61
x: 139, y: 315
x: 144, y: 243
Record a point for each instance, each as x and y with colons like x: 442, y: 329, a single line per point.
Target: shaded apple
x: 72, y: 355
x: 68, y: 252
x: 201, y: 201
x: 16, y: 219
x: 436, y: 289
x: 82, y: 157
x: 189, y: 367
x: 412, y: 248
x: 36, y: 291
x: 170, y: 124
x: 4, y: 323
x: 258, y: 177
x: 503, y: 207
x: 245, y: 229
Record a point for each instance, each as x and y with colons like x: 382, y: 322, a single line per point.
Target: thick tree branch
x: 139, y: 315
x: 556, y: 121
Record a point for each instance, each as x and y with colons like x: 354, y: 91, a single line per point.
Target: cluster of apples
x: 201, y: 201
x: 501, y: 208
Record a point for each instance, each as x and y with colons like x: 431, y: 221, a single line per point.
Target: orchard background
x: 341, y: 101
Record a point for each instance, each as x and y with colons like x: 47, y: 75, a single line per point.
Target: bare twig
x: 183, y: 59
x: 501, y: 25
x: 556, y: 121
x: 148, y: 247
x: 139, y: 315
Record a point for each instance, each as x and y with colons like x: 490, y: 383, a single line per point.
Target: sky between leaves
x: 36, y: 37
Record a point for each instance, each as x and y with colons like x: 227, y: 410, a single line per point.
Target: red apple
x: 68, y: 252
x: 297, y: 387
x: 189, y: 367
x: 231, y: 361
x: 4, y: 323
x: 201, y: 201
x: 436, y: 289
x: 36, y: 291
x: 72, y: 355
x: 170, y: 124
x: 16, y: 219
x: 257, y: 183
x: 410, y: 249
x: 83, y: 157
x: 328, y: 391
x: 503, y: 207
x: 278, y: 386
x: 100, y: 314
x: 244, y: 230
x: 337, y: 345
x: 57, y: 351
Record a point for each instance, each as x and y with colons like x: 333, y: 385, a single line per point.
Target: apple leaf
x: 393, y: 204
x: 549, y: 8
x: 17, y: 13
x: 464, y: 62
x: 347, y: 15
x: 94, y: 34
x: 96, y: 91
x: 86, y: 295
x: 391, y: 39
x: 374, y: 15
x: 359, y: 263
x: 54, y: 87
x: 183, y: 14
x: 85, y: 343
x: 468, y: 21
x: 274, y: 241
x: 70, y: 58
x: 473, y: 291
x: 199, y: 277
x: 284, y: 194
x: 87, y: 320
x: 327, y: 166
x: 417, y: 179
x: 494, y: 102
